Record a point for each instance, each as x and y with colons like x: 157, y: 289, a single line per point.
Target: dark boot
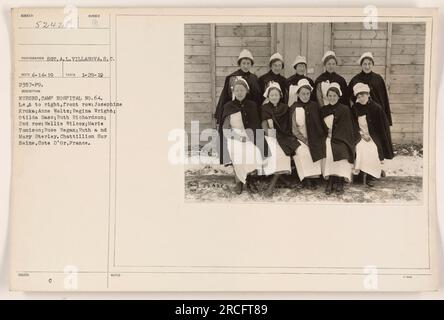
x: 329, y: 185
x: 340, y: 186
x: 369, y: 181
x: 314, y: 183
x: 306, y: 183
x: 238, y: 187
x: 251, y: 185
x: 359, y: 177
x: 309, y: 183
x: 286, y: 181
x: 270, y: 189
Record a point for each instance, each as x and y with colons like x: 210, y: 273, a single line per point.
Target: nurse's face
x: 362, y: 97
x: 276, y: 67
x: 330, y: 66
x: 301, y: 68
x: 245, y: 65
x: 304, y: 95
x: 274, y: 96
x: 367, y: 65
x: 332, y: 97
x: 239, y: 92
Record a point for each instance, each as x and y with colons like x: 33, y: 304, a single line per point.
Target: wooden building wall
x: 199, y: 79
x: 231, y: 39
x: 406, y: 81
x: 211, y: 53
x: 399, y: 57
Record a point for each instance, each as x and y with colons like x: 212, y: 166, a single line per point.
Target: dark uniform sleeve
x: 384, y: 135
x: 285, y: 90
x: 313, y: 92
x: 385, y: 97
x: 265, y: 113
x: 343, y: 135
x: 355, y: 125
x: 350, y: 95
x: 262, y: 86
x: 224, y: 98
x: 345, y: 93
x: 255, y: 90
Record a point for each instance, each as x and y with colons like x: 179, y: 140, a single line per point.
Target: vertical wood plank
x: 280, y: 34
x: 292, y: 45
x: 388, y: 57
x: 280, y: 46
x: 273, y: 38
x: 327, y: 37
x: 304, y: 40
x: 213, y: 71
x: 315, y: 49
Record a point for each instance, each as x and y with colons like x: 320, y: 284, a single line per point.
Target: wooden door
x: 307, y: 39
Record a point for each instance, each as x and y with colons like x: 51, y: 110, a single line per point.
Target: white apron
x: 277, y: 161
x: 367, y: 158
x: 245, y: 156
x: 341, y: 168
x: 305, y: 166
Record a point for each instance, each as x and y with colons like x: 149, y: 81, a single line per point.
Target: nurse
x: 373, y: 129
x: 330, y: 62
x: 340, y: 143
x: 307, y: 127
x: 239, y: 132
x: 378, y: 89
x: 300, y: 67
x: 282, y: 144
x: 274, y: 75
x: 245, y: 62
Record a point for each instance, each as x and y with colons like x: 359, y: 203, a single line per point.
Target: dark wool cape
x: 250, y: 119
x: 315, y: 129
x: 265, y: 79
x: 294, y: 79
x: 280, y: 115
x: 378, y: 90
x: 334, y: 77
x: 342, y: 136
x: 378, y: 127
x: 254, y: 94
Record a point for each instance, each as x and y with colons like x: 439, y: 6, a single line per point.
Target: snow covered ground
x: 399, y: 166
x: 207, y: 180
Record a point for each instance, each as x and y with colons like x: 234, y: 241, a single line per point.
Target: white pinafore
x: 245, y: 156
x: 367, y: 158
x: 341, y: 168
x: 305, y: 166
x: 277, y: 161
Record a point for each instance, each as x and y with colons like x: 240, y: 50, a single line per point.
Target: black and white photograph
x: 304, y: 112
x: 223, y: 152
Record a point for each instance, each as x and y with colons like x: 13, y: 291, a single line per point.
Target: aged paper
x: 98, y: 204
